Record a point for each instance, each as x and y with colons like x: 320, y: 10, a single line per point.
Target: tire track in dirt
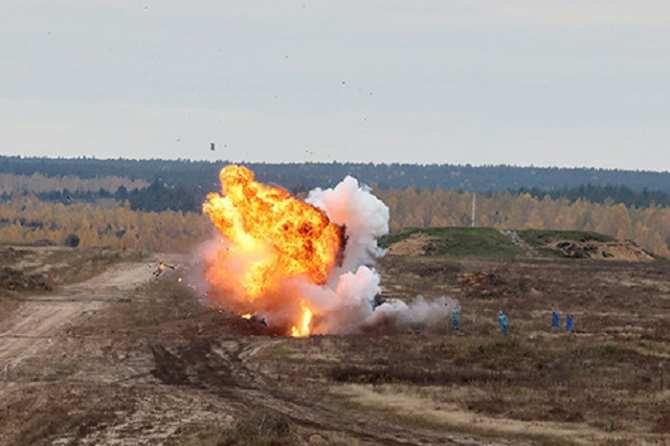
x: 322, y: 414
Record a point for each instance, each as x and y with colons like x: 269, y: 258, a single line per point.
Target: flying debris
x: 254, y: 318
x: 212, y: 146
x: 162, y: 266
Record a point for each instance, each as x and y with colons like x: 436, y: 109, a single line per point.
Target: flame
x: 304, y: 327
x: 273, y: 236
x: 247, y: 316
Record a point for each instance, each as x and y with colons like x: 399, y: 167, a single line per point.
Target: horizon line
x: 385, y: 163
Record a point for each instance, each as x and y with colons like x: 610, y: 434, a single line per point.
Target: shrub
x: 72, y: 240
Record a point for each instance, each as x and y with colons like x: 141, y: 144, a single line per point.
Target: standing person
x: 456, y: 319
x: 569, y: 323
x: 555, y: 320
x: 503, y: 322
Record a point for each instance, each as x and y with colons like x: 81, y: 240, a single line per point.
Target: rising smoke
x: 347, y: 301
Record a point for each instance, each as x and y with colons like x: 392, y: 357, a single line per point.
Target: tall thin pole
x: 474, y: 209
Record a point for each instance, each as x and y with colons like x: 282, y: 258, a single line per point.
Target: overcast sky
x: 543, y: 82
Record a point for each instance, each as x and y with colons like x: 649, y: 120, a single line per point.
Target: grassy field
x: 460, y: 242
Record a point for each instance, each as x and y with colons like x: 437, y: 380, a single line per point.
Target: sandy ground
x: 42, y: 318
x: 123, y: 358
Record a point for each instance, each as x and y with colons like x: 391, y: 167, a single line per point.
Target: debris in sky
x: 212, y: 146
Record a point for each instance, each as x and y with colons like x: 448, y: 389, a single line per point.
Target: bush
x: 72, y: 241
x: 262, y: 428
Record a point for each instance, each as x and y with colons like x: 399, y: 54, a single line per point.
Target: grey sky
x: 570, y: 82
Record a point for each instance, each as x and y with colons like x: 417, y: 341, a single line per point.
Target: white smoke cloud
x: 345, y: 308
x: 365, y: 216
x: 418, y: 314
x: 346, y: 303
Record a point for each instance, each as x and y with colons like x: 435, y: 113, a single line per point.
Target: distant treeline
x: 160, y: 197
x: 157, y: 197
x: 38, y: 182
x: 203, y: 175
x: 26, y: 219
x: 603, y: 194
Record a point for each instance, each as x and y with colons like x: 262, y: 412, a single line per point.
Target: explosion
x: 281, y: 236
x: 290, y: 237
x: 287, y: 263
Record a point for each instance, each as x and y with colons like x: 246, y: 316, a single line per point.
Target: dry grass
x: 258, y: 429
x: 436, y: 406
x: 608, y: 384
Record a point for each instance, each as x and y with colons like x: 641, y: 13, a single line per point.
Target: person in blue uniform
x: 503, y: 322
x: 456, y: 319
x: 555, y: 320
x: 569, y: 323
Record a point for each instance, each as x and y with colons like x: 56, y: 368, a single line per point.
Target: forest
x: 297, y: 177
x: 27, y: 219
x: 47, y: 201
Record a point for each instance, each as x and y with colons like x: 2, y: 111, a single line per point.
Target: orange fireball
x: 277, y: 235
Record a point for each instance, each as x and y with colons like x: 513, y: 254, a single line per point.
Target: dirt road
x: 40, y: 319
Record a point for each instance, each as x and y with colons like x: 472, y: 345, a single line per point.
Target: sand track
x: 39, y: 319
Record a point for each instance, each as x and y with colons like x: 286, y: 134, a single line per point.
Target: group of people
x: 503, y: 321
x: 556, y: 321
